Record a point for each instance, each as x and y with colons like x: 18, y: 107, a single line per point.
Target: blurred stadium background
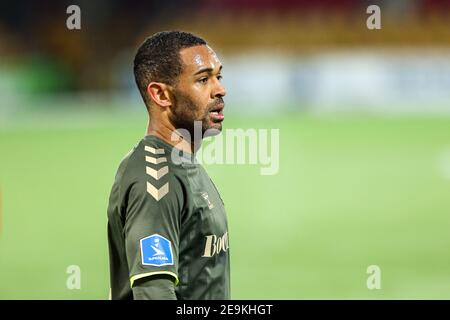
x: 364, y: 119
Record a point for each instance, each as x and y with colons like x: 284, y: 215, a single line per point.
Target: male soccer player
x: 167, y: 227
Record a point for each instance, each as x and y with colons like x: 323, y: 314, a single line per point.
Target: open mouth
x: 217, y: 113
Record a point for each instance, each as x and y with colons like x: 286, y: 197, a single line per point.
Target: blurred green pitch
x: 351, y: 192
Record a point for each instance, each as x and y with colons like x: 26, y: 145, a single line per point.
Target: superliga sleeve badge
x: 156, y: 251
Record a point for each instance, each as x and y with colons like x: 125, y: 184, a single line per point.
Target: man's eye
x: 203, y: 80
x: 219, y: 77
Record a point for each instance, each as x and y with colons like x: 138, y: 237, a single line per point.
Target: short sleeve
x: 152, y: 228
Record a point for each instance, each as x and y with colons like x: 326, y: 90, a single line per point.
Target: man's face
x: 198, y: 92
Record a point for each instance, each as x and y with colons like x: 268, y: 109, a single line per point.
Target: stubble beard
x: 186, y: 115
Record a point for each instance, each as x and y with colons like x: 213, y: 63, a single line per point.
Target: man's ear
x: 159, y: 93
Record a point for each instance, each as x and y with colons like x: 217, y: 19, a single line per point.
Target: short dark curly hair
x: 158, y: 58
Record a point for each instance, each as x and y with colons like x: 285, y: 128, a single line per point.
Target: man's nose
x: 219, y: 90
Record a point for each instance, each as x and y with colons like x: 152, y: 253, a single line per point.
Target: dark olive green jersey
x: 165, y: 216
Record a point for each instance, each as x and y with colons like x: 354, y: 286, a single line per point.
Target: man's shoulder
x: 152, y: 157
x: 148, y: 167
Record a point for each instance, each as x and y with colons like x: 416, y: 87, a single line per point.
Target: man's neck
x: 169, y: 134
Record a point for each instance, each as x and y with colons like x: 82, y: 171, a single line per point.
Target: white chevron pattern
x: 153, y: 150
x: 157, y: 193
x: 157, y: 173
x: 155, y: 160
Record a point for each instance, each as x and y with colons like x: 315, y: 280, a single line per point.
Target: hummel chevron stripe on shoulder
x: 157, y: 193
x: 153, y: 150
x: 157, y: 173
x: 155, y: 160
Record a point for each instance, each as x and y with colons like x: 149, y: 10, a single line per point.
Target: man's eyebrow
x: 207, y: 69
